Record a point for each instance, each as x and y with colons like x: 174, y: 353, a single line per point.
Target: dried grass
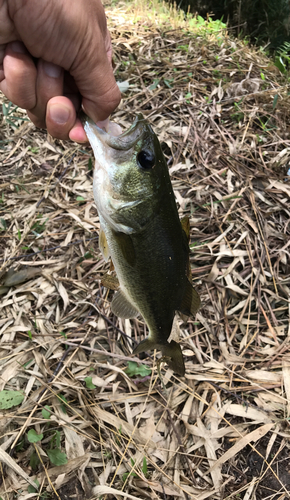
x: 228, y: 154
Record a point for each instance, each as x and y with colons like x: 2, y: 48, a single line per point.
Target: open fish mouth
x: 115, y: 138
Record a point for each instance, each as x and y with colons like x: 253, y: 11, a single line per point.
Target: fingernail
x: 59, y: 114
x: 18, y: 47
x: 52, y: 70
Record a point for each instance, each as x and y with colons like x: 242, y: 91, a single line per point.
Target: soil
x: 273, y: 483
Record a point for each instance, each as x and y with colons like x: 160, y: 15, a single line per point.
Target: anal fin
x: 144, y: 345
x: 122, y: 307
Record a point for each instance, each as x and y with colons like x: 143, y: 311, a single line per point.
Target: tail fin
x: 173, y: 357
x: 171, y: 353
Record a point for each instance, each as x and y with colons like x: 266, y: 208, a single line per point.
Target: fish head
x: 130, y: 175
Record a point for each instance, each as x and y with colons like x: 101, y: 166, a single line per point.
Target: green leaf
x: 39, y: 226
x: 89, y: 383
x: 29, y: 334
x: 31, y: 489
x: 90, y: 164
x: 8, y: 399
x: 4, y: 110
x: 280, y: 64
x: 88, y: 255
x: 19, y: 234
x: 20, y: 445
x: 3, y: 224
x: 46, y: 412
x: 63, y: 406
x: 34, y: 461
x: 55, y: 441
x: 168, y: 82
x: 134, y: 369
x: 33, y: 437
x: 154, y: 85
x: 57, y: 457
x: 130, y: 474
x: 275, y: 101
x: 80, y: 198
x: 200, y: 20
x: 26, y: 365
x: 144, y: 467
x: 183, y: 47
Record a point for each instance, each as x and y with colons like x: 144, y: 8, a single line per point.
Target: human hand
x: 55, y: 55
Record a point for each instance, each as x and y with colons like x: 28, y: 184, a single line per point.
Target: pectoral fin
x: 126, y: 247
x: 122, y: 307
x: 103, y: 245
x: 190, y: 302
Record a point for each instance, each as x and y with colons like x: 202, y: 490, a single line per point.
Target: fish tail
x: 171, y: 352
x: 173, y: 357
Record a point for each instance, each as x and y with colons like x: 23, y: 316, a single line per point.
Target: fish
x: 142, y: 233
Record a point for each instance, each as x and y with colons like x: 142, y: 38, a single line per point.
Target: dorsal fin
x: 185, y: 226
x: 186, y: 237
x: 190, y: 301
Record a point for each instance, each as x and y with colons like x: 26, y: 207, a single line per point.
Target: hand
x: 55, y: 55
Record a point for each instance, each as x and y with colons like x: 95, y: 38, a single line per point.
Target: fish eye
x: 146, y: 160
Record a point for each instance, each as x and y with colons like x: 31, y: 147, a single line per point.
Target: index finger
x: 93, y: 75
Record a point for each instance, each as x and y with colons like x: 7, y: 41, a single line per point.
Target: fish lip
x: 122, y: 142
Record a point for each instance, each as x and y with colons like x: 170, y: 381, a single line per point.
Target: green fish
x: 141, y: 231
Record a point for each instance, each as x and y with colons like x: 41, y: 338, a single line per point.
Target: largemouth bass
x: 141, y: 231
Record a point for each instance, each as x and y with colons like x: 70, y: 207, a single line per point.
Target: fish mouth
x: 122, y: 142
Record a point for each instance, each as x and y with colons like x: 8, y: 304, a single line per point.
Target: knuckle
x: 36, y: 120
